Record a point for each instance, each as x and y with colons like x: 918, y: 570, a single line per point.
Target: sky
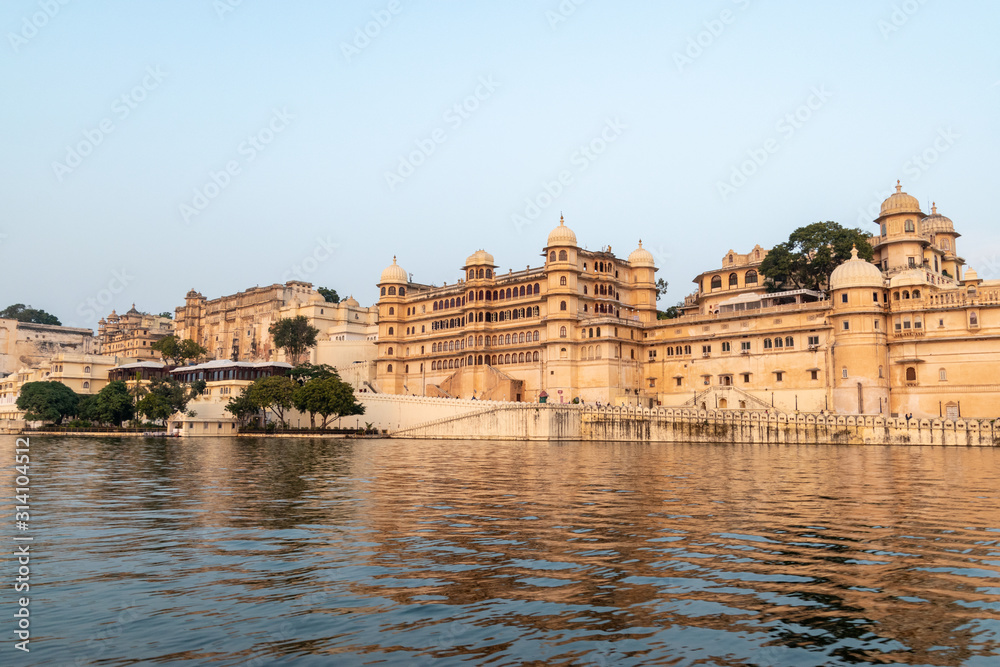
x: 148, y: 148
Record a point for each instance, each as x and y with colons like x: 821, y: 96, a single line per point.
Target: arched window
x: 552, y: 256
x: 562, y: 305
x: 534, y: 356
x: 563, y: 256
x: 86, y: 385
x: 489, y: 273
x: 916, y: 294
x: 86, y: 369
x: 383, y: 291
x: 538, y: 290
x: 789, y: 341
x: 479, y: 274
x: 562, y: 332
x: 767, y: 344
x: 402, y: 291
x: 716, y: 282
x: 535, y: 337
x: 391, y: 331
x: 910, y: 227
x: 392, y: 290
x: 778, y: 342
x: 911, y: 374
x: 687, y: 349
x: 520, y: 358
x: 435, y: 306
x: 734, y: 280
x: 388, y: 368
x: 906, y: 294
x: 392, y: 311
x: 750, y: 278
x: 598, y: 332
x: 562, y: 280
x: 590, y: 332
x: 506, y: 340
x: 472, y: 274
x: 389, y: 351
x: 520, y: 337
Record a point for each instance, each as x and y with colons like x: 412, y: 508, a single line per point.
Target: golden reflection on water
x: 567, y: 553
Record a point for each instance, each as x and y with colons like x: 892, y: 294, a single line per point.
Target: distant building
x: 26, y: 345
x: 132, y: 334
x: 83, y: 373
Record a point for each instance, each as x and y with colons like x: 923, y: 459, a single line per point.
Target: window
x: 846, y: 324
x: 875, y: 323
x: 389, y: 351
x: 813, y: 341
x: 392, y: 311
x: 843, y: 297
x: 734, y: 281
x: 391, y: 330
x: 706, y: 350
x: 392, y: 290
x: 726, y: 347
x: 942, y: 375
x: 789, y: 341
x: 746, y: 378
x: 745, y: 346
x: 768, y: 344
x: 911, y: 374
x: 843, y: 372
x: 678, y: 381
x: 562, y: 305
x: 813, y: 375
x: 910, y: 228
x: 389, y: 368
x: 911, y: 262
x: 778, y: 343
x: 86, y: 369
x: 779, y: 376
x: 563, y: 256
x: 86, y: 385
x: 716, y: 282
x: 687, y: 349
x: 875, y: 297
x: 562, y: 280
x: 750, y: 278
x: 652, y: 382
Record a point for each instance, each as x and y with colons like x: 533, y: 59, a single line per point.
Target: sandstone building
x: 131, y: 334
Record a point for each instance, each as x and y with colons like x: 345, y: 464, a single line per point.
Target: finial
x: 854, y: 251
x: 899, y: 188
x: 393, y: 259
x: 640, y: 243
x: 933, y: 208
x: 562, y: 223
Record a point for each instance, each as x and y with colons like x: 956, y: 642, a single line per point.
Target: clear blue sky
x: 161, y: 95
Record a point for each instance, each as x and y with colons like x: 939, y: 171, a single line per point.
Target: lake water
x: 338, y: 552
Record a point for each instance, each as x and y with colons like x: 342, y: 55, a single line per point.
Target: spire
x: 394, y: 260
x: 562, y: 223
x: 933, y: 208
x: 899, y: 188
x: 640, y: 243
x: 854, y: 251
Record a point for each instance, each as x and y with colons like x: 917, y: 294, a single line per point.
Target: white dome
x: 641, y: 257
x: 394, y: 274
x: 562, y: 235
x: 899, y: 202
x: 856, y: 272
x: 480, y: 257
x: 351, y: 301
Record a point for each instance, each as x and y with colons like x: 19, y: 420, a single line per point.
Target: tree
x: 670, y: 313
x: 165, y: 396
x: 294, y: 335
x: 47, y: 401
x: 327, y: 396
x: 273, y: 393
x: 178, y: 351
x: 167, y: 314
x: 661, y: 288
x: 330, y: 295
x: 113, y: 404
x: 242, y: 407
x: 21, y: 313
x: 305, y: 372
x: 811, y: 254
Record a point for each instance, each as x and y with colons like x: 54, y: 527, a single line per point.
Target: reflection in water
x: 394, y: 552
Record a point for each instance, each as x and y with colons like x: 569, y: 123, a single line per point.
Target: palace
x: 912, y: 332
x: 131, y: 334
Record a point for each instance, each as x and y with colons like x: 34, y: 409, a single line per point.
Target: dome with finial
x: 479, y: 258
x: 936, y: 223
x: 899, y: 202
x: 562, y: 235
x: 856, y: 272
x: 394, y: 273
x: 351, y: 301
x: 971, y: 277
x: 641, y: 257
x: 316, y: 297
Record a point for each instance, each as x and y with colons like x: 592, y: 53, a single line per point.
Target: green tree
x: 327, y: 396
x: 294, y: 335
x: 670, y: 313
x: 178, y: 351
x: 329, y: 294
x: 167, y: 314
x: 47, y: 401
x: 273, y: 393
x: 661, y: 288
x: 811, y: 254
x: 22, y: 313
x: 165, y: 396
x: 113, y: 404
x: 305, y: 372
x: 242, y: 407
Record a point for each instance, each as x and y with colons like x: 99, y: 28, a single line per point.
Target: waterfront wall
x: 527, y: 421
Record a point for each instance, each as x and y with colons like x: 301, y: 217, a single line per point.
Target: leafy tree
x: 165, y: 396
x: 47, y: 401
x: 329, y: 294
x: 242, y: 407
x: 167, y: 314
x: 327, y: 396
x: 661, y: 288
x: 811, y: 254
x: 294, y: 335
x: 23, y: 313
x: 113, y: 404
x: 178, y: 351
x: 86, y: 407
x: 670, y: 313
x: 305, y: 372
x: 273, y: 393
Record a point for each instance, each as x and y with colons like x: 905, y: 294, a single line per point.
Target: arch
x: 391, y: 331
x: 434, y: 306
x: 789, y: 341
x: 910, y: 227
x: 479, y: 360
x: 538, y: 290
x: 563, y: 256
x: 388, y: 368
x: 552, y: 256
x: 562, y: 281
x: 479, y: 274
x: 472, y: 274
x: 383, y: 291
x: 916, y: 294
x: 562, y: 332
x: 778, y: 342
x: 750, y: 277
x: 911, y: 374
x: 734, y: 280
x: 86, y: 385
x: 506, y: 358
x: 562, y: 305
x: 767, y: 344
x: 942, y: 375
x: 598, y: 332
x: 906, y: 294
x: 451, y: 304
x: 469, y: 360
x: 520, y: 337
x: 392, y: 290
x: 389, y: 351
x: 716, y: 282
x: 535, y: 337
x: 86, y: 369
x: 520, y: 358
x: 392, y: 311
x: 489, y: 273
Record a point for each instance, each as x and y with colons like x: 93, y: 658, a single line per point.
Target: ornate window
x: 562, y: 280
x: 563, y: 256
x: 562, y: 305
x: 734, y: 280
x: 716, y: 282
x: 750, y: 278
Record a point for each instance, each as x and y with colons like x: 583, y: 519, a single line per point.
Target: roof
x: 226, y: 363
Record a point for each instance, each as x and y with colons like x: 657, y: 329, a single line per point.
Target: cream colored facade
x: 912, y: 332
x: 236, y: 327
x: 23, y: 344
x: 131, y: 334
x: 83, y: 373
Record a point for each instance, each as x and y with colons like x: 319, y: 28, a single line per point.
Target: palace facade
x: 131, y: 334
x: 912, y: 332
